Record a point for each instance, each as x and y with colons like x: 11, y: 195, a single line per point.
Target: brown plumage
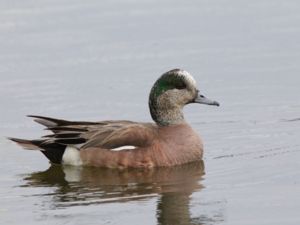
x: 170, y: 141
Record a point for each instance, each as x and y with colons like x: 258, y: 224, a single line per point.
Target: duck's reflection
x: 82, y: 186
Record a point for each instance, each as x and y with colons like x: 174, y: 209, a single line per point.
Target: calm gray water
x: 96, y: 60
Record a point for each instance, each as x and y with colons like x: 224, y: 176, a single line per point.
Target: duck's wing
x: 120, y: 133
x: 103, y: 134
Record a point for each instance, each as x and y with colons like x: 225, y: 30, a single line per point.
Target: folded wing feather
x: 104, y: 134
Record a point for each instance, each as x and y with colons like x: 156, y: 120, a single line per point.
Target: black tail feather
x: 62, y: 135
x: 52, y: 122
x: 53, y: 146
x: 27, y: 144
x: 49, y: 122
x: 65, y: 128
x: 70, y: 141
x: 53, y: 151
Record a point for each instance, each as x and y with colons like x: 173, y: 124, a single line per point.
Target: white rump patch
x: 71, y: 156
x: 125, y: 147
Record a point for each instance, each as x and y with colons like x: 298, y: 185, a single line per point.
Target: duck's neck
x: 164, y: 115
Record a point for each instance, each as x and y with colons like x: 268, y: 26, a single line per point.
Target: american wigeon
x: 121, y: 144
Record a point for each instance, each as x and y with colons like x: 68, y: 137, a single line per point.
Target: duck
x: 168, y: 141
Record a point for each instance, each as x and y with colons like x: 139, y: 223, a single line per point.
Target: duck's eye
x: 202, y: 96
x: 181, y: 86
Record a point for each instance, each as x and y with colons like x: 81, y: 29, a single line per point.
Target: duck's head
x: 170, y: 93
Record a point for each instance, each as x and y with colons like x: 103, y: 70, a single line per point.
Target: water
x: 97, y: 60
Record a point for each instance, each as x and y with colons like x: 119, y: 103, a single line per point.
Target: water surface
x: 97, y: 60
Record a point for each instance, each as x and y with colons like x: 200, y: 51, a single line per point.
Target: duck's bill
x: 203, y: 100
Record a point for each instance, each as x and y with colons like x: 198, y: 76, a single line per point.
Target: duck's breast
x: 180, y: 144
